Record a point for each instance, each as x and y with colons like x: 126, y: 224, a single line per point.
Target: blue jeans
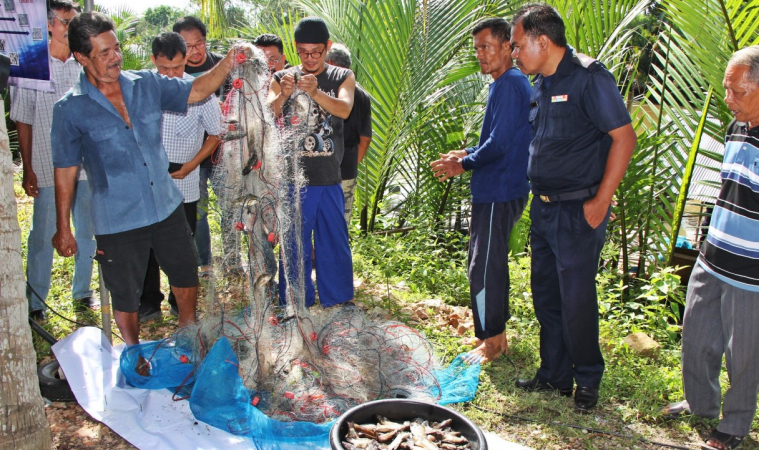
x: 39, y: 263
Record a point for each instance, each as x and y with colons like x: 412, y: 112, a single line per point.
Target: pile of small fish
x: 416, y: 435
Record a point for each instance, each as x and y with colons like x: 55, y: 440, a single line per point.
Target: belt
x: 574, y: 195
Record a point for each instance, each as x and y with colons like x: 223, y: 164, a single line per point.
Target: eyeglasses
x: 312, y: 55
x: 65, y: 22
x: 274, y: 59
x: 198, y: 46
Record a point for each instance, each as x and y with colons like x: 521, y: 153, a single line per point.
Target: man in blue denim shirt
x: 110, y: 122
x: 582, y: 145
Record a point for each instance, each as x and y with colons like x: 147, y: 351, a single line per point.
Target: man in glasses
x: 199, y: 61
x: 329, y: 90
x: 499, y: 185
x: 110, y: 123
x: 582, y: 145
x: 271, y: 45
x: 33, y: 112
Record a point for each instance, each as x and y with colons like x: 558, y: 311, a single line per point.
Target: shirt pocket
x: 103, y: 134
x: 186, y: 126
x: 151, y: 126
x: 561, y: 122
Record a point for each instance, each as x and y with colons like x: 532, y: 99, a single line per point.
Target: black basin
x: 399, y: 410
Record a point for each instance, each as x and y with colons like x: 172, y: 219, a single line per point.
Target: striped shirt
x: 35, y: 108
x: 182, y: 136
x: 731, y: 250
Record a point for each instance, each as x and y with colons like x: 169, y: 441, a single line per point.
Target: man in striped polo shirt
x: 722, y: 307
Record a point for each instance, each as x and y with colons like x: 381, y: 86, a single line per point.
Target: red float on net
x: 184, y: 359
x: 241, y: 58
x: 237, y: 84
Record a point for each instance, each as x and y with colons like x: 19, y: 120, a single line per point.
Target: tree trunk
x: 23, y: 424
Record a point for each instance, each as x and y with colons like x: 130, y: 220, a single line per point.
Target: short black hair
x: 499, y: 28
x: 85, y: 26
x: 189, y: 23
x: 541, y: 19
x: 57, y: 5
x: 168, y: 44
x: 269, y: 40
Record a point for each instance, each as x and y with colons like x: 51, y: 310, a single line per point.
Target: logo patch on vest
x: 559, y: 98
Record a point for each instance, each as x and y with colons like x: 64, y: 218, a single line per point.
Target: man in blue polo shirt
x: 110, y: 122
x: 499, y: 185
x: 582, y: 146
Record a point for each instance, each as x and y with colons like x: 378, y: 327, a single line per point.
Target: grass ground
x: 633, y: 390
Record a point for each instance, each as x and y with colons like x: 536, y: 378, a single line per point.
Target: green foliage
x: 427, y: 262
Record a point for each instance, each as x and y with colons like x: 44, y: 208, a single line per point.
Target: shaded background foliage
x: 415, y: 59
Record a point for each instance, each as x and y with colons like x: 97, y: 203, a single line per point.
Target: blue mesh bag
x: 458, y: 382
x: 169, y: 365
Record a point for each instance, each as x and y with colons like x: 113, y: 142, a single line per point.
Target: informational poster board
x: 23, y: 38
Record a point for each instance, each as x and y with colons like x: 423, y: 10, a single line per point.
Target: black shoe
x: 149, y: 313
x: 535, y: 385
x: 83, y: 304
x: 38, y: 316
x: 586, y: 398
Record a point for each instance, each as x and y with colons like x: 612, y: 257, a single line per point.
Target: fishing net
x: 280, y: 372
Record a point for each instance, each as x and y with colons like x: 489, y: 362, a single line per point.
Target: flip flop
x: 726, y: 441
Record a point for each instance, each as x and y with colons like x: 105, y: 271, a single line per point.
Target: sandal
x: 718, y: 440
x: 675, y: 410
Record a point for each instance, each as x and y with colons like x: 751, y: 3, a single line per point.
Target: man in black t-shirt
x: 327, y: 91
x: 199, y: 61
x: 357, y: 133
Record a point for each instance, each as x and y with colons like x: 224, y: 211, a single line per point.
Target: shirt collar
x: 566, y: 66
x: 84, y: 87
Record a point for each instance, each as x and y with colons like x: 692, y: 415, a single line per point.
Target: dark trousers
x: 489, y: 264
x: 565, y: 253
x: 151, y: 288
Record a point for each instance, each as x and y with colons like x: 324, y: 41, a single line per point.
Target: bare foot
x: 143, y: 367
x: 489, y: 349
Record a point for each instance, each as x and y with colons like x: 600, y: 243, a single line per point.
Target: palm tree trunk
x: 23, y: 424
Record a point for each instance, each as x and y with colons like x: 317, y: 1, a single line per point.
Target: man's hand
x: 30, y: 185
x: 287, y: 85
x: 182, y: 172
x: 448, y: 166
x: 457, y: 153
x: 64, y: 242
x: 595, y: 211
x: 309, y: 84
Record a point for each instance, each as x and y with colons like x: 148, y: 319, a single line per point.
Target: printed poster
x: 23, y: 39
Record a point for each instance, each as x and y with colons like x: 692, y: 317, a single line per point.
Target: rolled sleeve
x: 66, y: 139
x: 174, y: 92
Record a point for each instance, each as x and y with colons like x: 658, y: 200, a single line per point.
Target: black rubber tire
x: 53, y: 384
x: 313, y: 143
